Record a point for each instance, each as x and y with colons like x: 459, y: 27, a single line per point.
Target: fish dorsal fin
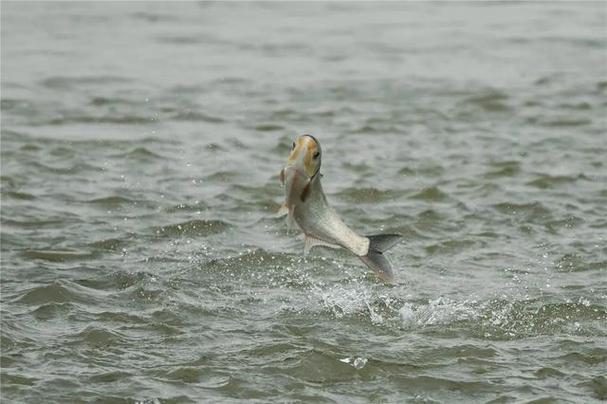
x: 310, y: 242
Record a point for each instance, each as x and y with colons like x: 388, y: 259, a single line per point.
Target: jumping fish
x: 307, y: 208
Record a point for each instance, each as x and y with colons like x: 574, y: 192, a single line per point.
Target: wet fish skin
x: 307, y: 208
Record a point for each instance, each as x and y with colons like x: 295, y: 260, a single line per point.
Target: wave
x: 97, y: 337
x: 112, y: 201
x: 195, y: 116
x: 57, y: 292
x: 546, y: 181
x: 140, y: 153
x: 65, y: 82
x: 430, y: 194
x: 368, y: 195
x: 76, y: 168
x: 193, y: 228
x: 59, y: 255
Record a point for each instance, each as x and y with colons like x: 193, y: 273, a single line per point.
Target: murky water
x: 141, y: 259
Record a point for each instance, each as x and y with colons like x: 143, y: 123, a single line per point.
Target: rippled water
x: 141, y: 259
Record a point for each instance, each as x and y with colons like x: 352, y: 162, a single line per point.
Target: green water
x: 141, y: 258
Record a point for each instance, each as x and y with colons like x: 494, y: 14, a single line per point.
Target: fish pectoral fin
x: 283, y: 210
x: 310, y: 242
x: 291, y: 223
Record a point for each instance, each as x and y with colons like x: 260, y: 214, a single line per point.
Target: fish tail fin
x: 375, y: 258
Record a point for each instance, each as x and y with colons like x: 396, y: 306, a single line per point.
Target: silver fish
x: 307, y: 208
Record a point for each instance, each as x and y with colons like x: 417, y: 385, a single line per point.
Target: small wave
x: 38, y: 224
x: 426, y: 171
x: 146, y: 295
x: 109, y: 377
x: 112, y: 101
x: 64, y: 82
x: 430, y: 194
x: 548, y: 181
x: 547, y: 373
x: 98, y: 337
x: 247, y: 259
x: 566, y: 223
x: 77, y: 168
x: 30, y: 147
x: 490, y: 101
x: 198, y: 206
x: 23, y: 196
x: 141, y: 154
x: 62, y: 151
x: 7, y: 104
x: 438, y: 311
x: 187, y: 375
x: 344, y: 300
x: 9, y: 379
x: 450, y: 247
x: 576, y: 106
x: 368, y: 195
x: 530, y: 210
x: 113, y: 201
x: 193, y: 228
x: 592, y: 357
x: 223, y: 176
x: 122, y: 280
x: 110, y: 244
x: 597, y: 387
x: 269, y: 127
x: 195, y: 116
x: 58, y: 255
x: 51, y: 310
x: 180, y: 39
x: 56, y: 292
x: 92, y: 119
x: 152, y: 17
x: 286, y: 114
x: 519, y: 319
x: 497, y: 319
x: 377, y: 127
x: 504, y: 169
x: 320, y: 367
x: 562, y: 122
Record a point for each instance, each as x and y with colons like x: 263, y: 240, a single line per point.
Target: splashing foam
x: 439, y: 311
x: 343, y: 300
x: 357, y: 363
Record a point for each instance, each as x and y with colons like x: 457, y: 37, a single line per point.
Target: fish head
x: 302, y: 166
x: 305, y: 156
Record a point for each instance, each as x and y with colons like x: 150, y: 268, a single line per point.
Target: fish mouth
x: 297, y: 171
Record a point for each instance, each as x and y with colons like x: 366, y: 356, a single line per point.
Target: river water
x: 141, y: 258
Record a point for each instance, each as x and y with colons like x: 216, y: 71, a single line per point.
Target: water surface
x: 141, y: 145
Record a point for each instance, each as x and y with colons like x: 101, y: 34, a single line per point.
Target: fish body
x: 307, y: 208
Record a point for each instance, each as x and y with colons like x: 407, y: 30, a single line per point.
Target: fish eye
x: 316, y: 155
